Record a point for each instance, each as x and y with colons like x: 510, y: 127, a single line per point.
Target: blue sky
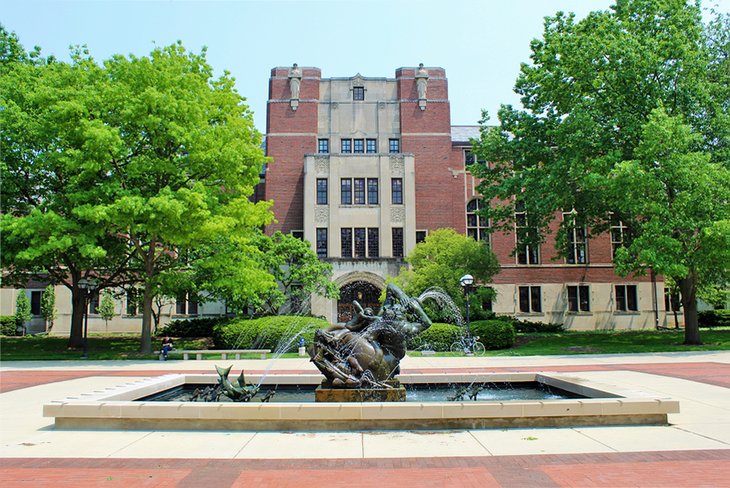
x: 480, y: 43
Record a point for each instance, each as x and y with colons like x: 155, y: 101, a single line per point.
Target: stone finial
x: 421, y: 85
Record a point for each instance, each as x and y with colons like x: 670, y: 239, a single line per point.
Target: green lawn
x: 610, y: 342
x: 127, y: 346
x: 100, y: 347
x: 618, y: 342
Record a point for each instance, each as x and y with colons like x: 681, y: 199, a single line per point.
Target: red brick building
x: 364, y: 168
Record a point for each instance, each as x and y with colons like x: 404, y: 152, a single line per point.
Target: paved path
x: 693, y: 451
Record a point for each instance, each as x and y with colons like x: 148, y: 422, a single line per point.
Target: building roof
x: 463, y: 133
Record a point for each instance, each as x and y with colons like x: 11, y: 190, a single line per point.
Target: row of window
x: 359, y: 242
x: 185, y: 304
x: 626, y: 298
x: 576, y: 239
x: 359, y: 191
x: 358, y: 146
x: 364, y: 243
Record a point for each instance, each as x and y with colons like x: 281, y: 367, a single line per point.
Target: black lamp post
x: 88, y: 286
x: 466, y: 282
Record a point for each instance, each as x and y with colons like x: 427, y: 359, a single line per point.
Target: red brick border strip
x: 717, y: 374
x: 644, y: 469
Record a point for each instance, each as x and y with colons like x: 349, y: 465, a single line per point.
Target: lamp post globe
x: 466, y: 282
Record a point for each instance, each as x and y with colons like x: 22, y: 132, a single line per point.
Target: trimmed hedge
x: 266, y: 332
x: 714, y: 318
x: 525, y: 327
x: 200, y: 327
x: 439, y: 337
x: 494, y: 334
x: 8, y: 325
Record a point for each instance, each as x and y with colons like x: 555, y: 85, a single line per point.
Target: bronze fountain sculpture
x: 364, y: 354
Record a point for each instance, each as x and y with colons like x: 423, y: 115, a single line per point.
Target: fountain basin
x: 117, y: 408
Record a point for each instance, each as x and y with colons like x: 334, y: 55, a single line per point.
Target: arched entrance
x: 365, y: 293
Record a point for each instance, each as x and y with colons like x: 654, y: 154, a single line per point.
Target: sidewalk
x: 693, y: 450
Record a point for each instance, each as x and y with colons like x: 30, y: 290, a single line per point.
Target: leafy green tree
x: 12, y: 51
x: 106, y: 306
x: 297, y: 271
x: 113, y: 171
x: 442, y: 259
x: 55, y: 161
x: 184, y: 157
x: 624, y: 119
x: 22, y: 310
x: 48, y: 306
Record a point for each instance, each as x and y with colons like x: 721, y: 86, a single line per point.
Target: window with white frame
x: 346, y: 242
x: 576, y: 239
x: 530, y: 299
x: 360, y: 242
x: 672, y: 300
x: 618, y: 235
x: 397, y: 242
x: 373, y: 191
x: 358, y: 146
x: 321, y: 242
x: 477, y: 227
x: 396, y: 191
x: 579, y: 298
x: 393, y: 146
x: 346, y: 146
x: 323, y: 146
x: 134, y: 301
x: 371, y: 146
x: 321, y: 191
x: 35, y: 302
x: 358, y: 191
x: 528, y: 251
x: 470, y: 158
x: 627, y: 298
x: 346, y: 191
x: 373, y: 242
x: 185, y: 304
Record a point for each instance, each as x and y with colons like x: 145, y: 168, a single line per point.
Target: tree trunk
x: 78, y: 305
x: 146, y: 346
x: 688, y: 289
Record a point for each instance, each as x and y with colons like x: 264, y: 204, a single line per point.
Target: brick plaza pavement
x: 623, y: 462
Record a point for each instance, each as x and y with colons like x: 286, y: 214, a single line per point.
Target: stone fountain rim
x: 117, y: 407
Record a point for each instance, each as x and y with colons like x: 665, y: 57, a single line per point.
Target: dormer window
x: 358, y: 93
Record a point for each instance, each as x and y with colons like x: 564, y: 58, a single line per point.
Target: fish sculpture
x: 238, y: 393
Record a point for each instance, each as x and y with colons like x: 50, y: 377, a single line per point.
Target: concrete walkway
x: 693, y: 450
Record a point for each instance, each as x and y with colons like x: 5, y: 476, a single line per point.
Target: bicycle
x: 468, y: 345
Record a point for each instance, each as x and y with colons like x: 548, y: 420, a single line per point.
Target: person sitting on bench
x: 167, y: 346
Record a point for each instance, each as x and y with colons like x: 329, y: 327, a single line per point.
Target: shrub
x: 439, y: 337
x: 8, y: 325
x: 266, y: 332
x: 714, y: 318
x: 200, y: 327
x: 494, y: 334
x: 525, y: 327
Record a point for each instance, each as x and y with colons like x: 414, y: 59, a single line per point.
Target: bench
x: 223, y: 352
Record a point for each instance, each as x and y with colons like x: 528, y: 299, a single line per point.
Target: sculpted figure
x: 366, y: 351
x: 295, y: 79
x: 421, y: 81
